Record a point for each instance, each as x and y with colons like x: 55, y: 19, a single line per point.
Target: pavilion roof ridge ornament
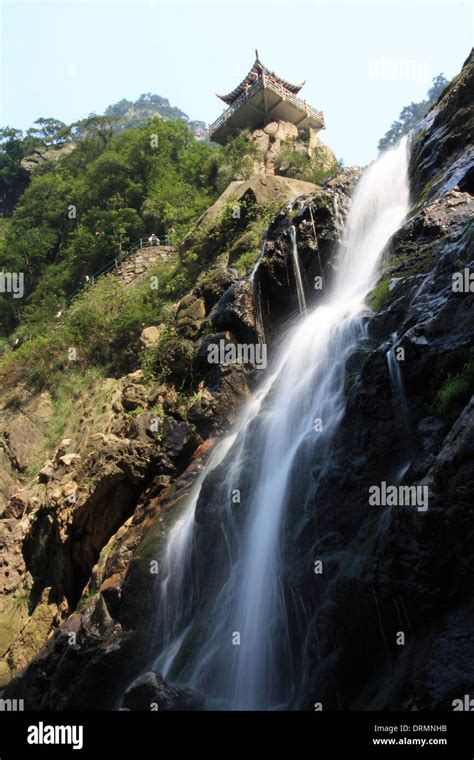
x: 258, y: 69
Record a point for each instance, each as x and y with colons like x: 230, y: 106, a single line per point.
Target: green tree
x: 100, y: 127
x: 412, y: 114
x: 11, y: 143
x: 107, y: 180
x: 13, y: 178
x: 49, y: 131
x: 113, y: 231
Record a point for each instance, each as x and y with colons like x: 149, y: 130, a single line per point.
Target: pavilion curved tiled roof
x: 256, y: 71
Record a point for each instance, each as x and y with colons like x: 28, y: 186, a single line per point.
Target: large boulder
x: 281, y: 138
x: 150, y: 336
x: 25, y: 427
x: 190, y: 315
x: 264, y: 190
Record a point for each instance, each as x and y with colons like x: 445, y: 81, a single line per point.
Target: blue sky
x: 362, y: 61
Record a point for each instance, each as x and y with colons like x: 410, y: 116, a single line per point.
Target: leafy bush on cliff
x: 455, y: 392
x: 171, y: 360
x: 300, y: 165
x: 236, y: 160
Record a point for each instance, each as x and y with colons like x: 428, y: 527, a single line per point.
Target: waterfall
x: 222, y: 602
x: 296, y: 268
x: 259, y: 259
x: 174, y: 606
x: 257, y: 303
x: 400, y: 404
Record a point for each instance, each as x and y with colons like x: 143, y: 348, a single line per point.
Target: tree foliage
x: 83, y: 209
x: 14, y: 146
x: 49, y: 131
x: 412, y: 114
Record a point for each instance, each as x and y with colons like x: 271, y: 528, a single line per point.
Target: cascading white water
x: 257, y: 304
x: 229, y: 637
x: 175, y: 566
x: 259, y: 260
x: 400, y: 404
x: 296, y: 268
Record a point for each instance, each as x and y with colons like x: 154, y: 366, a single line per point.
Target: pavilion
x: 263, y: 97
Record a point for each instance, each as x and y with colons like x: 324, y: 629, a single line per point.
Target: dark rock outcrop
x: 152, y: 692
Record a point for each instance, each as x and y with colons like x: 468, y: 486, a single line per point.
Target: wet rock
x: 204, y: 350
x: 215, y: 283
x: 407, y: 570
x: 178, y: 438
x: 202, y: 414
x: 227, y: 386
x: 442, y: 148
x: 152, y: 692
x: 444, y: 668
x: 234, y: 312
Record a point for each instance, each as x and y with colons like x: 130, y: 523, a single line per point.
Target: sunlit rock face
x: 276, y: 142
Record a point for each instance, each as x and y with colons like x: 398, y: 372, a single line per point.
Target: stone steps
x: 134, y: 269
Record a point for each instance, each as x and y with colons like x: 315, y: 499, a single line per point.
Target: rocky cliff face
x: 280, y: 141
x: 79, y: 545
x: 79, y: 542
x: 403, y: 570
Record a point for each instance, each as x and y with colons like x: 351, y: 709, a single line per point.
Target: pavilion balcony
x: 266, y: 100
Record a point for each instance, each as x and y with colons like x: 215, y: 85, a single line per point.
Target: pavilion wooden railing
x: 287, y: 95
x: 235, y: 105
